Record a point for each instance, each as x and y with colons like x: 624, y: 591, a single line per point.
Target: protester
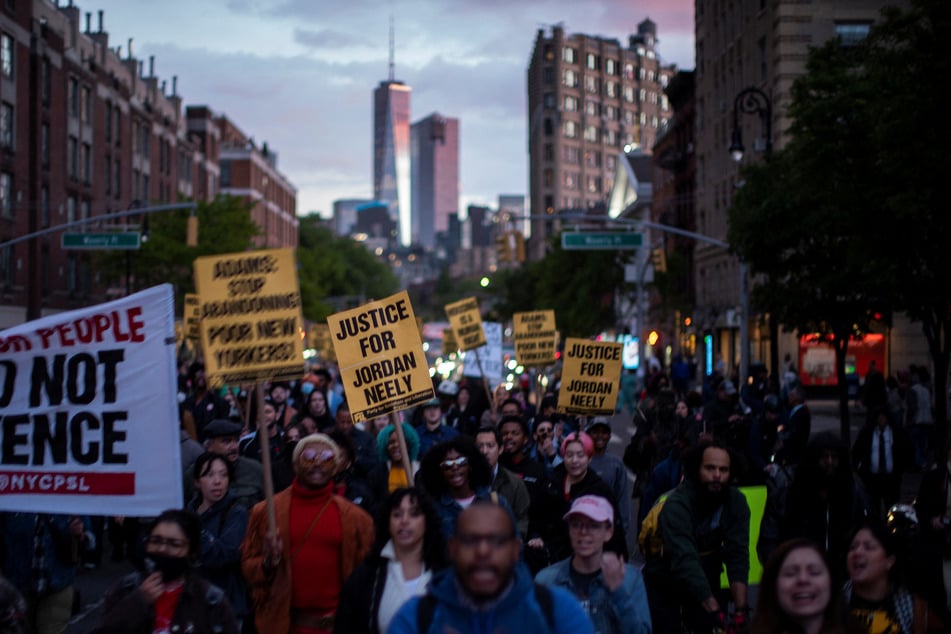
x: 487, y: 589
x: 874, y: 593
x: 432, y: 430
x: 282, y: 472
x: 296, y: 573
x: 504, y: 482
x: 389, y: 474
x: 12, y: 609
x: 546, y: 443
x: 280, y: 393
x: 316, y: 410
x: 366, y: 450
x: 40, y: 555
x: 348, y: 481
x: 794, y: 437
x: 933, y: 506
x: 881, y: 454
x: 171, y: 597
x: 223, y: 524
x: 612, y: 472
x: 247, y: 485
x: 796, y: 593
x: 409, y: 549
x: 203, y: 405
x: 462, y: 415
x: 610, y: 591
x: 704, y: 525
x: 455, y: 474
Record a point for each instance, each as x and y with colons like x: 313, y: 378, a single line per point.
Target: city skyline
x: 299, y: 75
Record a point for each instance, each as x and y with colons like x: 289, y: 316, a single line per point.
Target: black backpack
x: 427, y: 606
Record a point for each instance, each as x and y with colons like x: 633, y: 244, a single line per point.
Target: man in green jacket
x: 704, y: 525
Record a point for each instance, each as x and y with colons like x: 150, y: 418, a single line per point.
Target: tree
x: 850, y: 214
x: 334, y: 266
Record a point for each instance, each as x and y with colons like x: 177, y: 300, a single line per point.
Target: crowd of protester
x: 358, y: 543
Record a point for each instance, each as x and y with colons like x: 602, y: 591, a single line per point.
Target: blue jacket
x: 623, y: 611
x: 515, y: 612
x: 222, y: 531
x: 449, y: 510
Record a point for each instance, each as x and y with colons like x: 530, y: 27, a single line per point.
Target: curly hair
x: 434, y: 543
x: 412, y: 441
x: 480, y: 473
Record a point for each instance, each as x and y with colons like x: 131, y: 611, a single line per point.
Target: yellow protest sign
x: 535, y: 337
x: 466, y: 321
x: 192, y: 316
x: 449, y: 345
x: 382, y: 364
x: 250, y: 316
x: 590, y: 377
x: 321, y: 341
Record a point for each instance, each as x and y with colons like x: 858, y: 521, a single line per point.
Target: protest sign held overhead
x: 449, y: 343
x: 590, y: 377
x: 486, y: 360
x: 88, y: 413
x: 250, y: 316
x: 535, y: 337
x: 466, y: 321
x: 382, y: 364
x: 192, y: 317
x: 322, y: 342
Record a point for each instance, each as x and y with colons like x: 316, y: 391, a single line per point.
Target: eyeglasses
x: 472, y: 541
x: 447, y: 465
x: 162, y: 542
x: 313, y: 455
x: 582, y: 526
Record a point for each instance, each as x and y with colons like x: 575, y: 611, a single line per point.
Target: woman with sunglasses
x: 409, y: 549
x: 455, y: 474
x: 169, y: 597
x: 223, y: 524
x: 573, y: 479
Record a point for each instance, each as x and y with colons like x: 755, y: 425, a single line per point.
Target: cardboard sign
x: 192, y: 316
x: 250, y: 317
x: 488, y: 357
x: 382, y: 364
x: 449, y: 345
x: 88, y: 412
x: 322, y: 342
x: 590, y: 377
x: 466, y: 321
x: 535, y: 337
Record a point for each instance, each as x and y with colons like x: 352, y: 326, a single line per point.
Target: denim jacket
x: 623, y: 611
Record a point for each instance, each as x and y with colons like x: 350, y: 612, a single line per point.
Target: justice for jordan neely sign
x: 382, y: 364
x: 590, y: 378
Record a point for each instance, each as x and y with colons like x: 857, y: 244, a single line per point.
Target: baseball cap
x: 593, y: 507
x: 728, y: 387
x: 433, y: 402
x: 602, y: 421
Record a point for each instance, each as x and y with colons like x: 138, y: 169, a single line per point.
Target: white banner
x: 88, y: 410
x: 490, y: 355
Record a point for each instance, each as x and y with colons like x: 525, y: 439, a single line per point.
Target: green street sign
x: 114, y: 240
x: 608, y: 241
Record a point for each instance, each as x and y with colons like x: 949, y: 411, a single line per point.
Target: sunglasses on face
x: 447, y: 465
x: 319, y: 456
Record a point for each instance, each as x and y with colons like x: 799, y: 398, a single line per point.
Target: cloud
x: 329, y: 39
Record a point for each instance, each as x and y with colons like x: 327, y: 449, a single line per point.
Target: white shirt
x: 397, y: 590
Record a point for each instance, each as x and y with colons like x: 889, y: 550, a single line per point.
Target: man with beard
x: 515, y: 458
x: 292, y: 571
x: 704, y: 524
x: 487, y: 589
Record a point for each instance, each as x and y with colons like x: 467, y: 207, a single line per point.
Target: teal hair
x: 412, y: 441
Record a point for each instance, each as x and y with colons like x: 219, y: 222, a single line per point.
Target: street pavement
x: 93, y: 583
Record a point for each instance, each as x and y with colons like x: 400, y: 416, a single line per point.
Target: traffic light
x: 191, y: 233
x: 659, y: 260
x: 519, y: 246
x: 503, y: 249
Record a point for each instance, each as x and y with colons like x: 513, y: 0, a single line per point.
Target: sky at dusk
x: 300, y: 74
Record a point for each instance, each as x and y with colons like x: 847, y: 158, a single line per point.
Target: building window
x: 549, y: 54
x: 549, y: 100
x: 6, y: 125
x: 570, y: 55
x: 642, y: 73
x: 72, y: 96
x: 852, y: 33
x: 571, y: 130
x: 593, y: 184
x: 592, y: 61
x: 85, y: 104
x: 45, y: 144
x: 72, y: 154
x: 610, y: 66
x: 571, y: 154
x: 569, y: 180
x: 6, y: 194
x: 642, y: 95
x: 548, y: 178
x: 71, y: 211
x: 548, y: 152
x: 6, y: 266
x: 629, y: 71
x: 6, y: 55
x: 610, y: 113
x: 108, y: 119
x: 591, y: 133
x: 592, y: 107
x: 117, y: 179
x: 571, y: 79
x: 629, y: 94
x: 592, y: 84
x: 592, y: 159
x: 571, y: 104
x: 610, y: 162
x: 610, y: 137
x: 85, y: 162
x: 118, y: 117
x: 548, y: 75
x: 45, y: 206
x: 45, y: 81
x: 610, y: 89
x: 761, y: 53
x: 549, y: 127
x: 629, y: 117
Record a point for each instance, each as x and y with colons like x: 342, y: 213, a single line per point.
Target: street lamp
x: 752, y: 100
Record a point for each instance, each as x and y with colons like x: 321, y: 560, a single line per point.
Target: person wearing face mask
x: 223, y: 524
x: 169, y: 597
x: 296, y: 573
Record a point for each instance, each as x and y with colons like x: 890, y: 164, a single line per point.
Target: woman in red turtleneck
x: 288, y: 570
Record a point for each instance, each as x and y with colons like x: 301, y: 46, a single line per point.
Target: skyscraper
x: 391, y: 159
x: 435, y: 176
